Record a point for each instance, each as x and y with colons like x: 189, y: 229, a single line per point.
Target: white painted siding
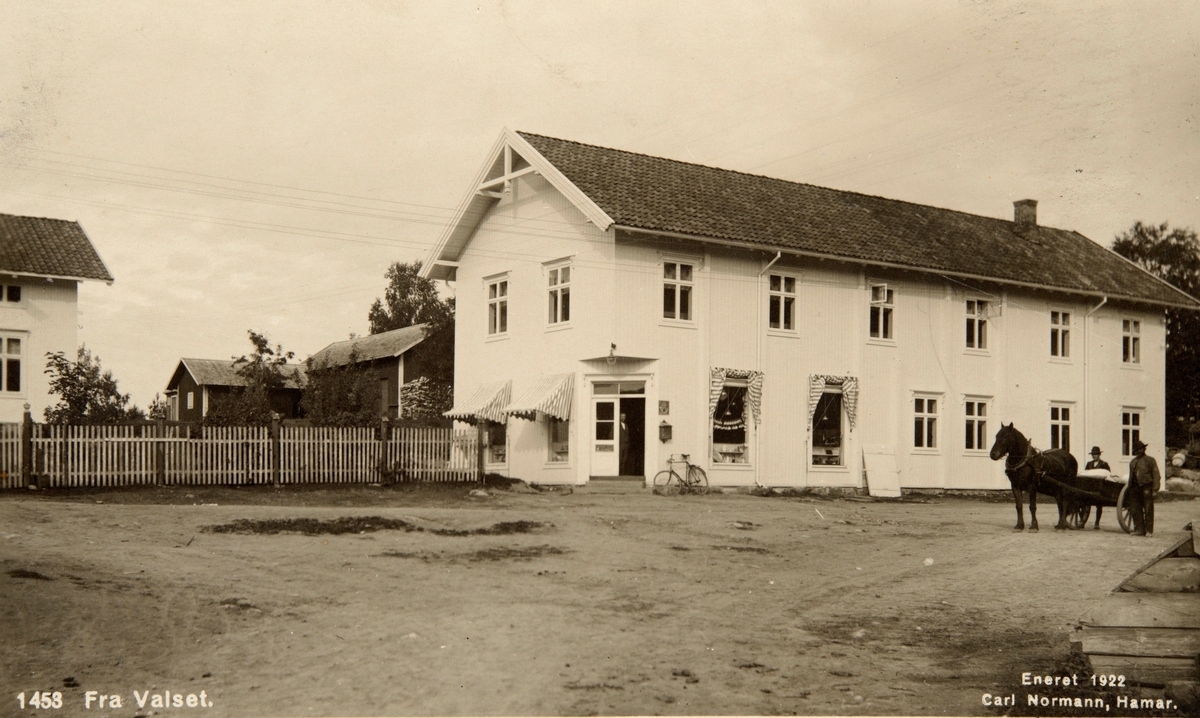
x: 46, y: 318
x: 617, y: 298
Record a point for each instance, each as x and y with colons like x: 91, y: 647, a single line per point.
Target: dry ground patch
x: 389, y: 602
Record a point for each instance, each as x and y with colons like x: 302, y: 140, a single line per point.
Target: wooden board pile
x: 1148, y: 628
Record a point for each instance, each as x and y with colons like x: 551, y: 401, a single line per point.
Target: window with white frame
x: 730, y: 433
x: 1131, y: 341
x: 677, y: 291
x: 497, y: 442
x: 560, y: 294
x: 11, y: 352
x: 977, y: 323
x: 1060, y: 427
x: 10, y: 293
x: 558, y: 432
x: 881, y: 311
x: 781, y: 304
x: 1060, y: 334
x: 498, y: 307
x: 925, y: 432
x: 827, y: 435
x: 1131, y: 430
x: 191, y: 400
x: 975, y: 412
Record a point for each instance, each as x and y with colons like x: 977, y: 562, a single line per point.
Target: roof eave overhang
x: 442, y: 260
x: 56, y: 277
x: 763, y: 246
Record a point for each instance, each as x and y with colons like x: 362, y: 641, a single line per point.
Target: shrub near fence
x: 148, y: 453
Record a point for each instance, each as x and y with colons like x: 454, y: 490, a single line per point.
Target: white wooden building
x: 615, y: 308
x: 42, y: 262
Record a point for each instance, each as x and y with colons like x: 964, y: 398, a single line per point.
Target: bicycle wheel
x: 674, y: 484
x: 661, y: 482
x: 697, y: 480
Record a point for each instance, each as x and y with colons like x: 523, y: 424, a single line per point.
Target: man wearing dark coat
x: 1144, y: 481
x: 1097, y: 462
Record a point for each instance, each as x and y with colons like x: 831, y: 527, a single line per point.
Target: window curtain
x: 849, y: 384
x: 753, y: 379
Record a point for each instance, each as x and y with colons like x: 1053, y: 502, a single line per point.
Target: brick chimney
x: 1025, y: 213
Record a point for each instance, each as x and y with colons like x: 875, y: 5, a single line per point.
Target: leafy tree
x: 1173, y: 254
x: 340, y: 395
x: 87, y: 394
x: 158, y: 409
x: 263, y: 370
x: 410, y: 299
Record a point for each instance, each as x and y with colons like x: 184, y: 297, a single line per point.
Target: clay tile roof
x: 376, y: 346
x: 656, y: 194
x: 49, y: 248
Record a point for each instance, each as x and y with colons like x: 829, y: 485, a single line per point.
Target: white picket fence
x: 146, y: 454
x: 10, y: 456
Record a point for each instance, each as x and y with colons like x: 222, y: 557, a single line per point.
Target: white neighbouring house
x: 42, y: 262
x: 781, y: 334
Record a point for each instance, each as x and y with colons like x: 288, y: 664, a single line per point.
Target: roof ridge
x: 789, y: 182
x: 31, y: 216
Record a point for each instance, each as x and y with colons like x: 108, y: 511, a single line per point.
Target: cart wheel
x: 1124, y: 514
x: 1077, y: 517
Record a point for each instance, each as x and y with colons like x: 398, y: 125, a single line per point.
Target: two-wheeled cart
x: 1099, y: 488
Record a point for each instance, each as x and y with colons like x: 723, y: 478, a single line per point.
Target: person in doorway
x: 1097, y: 462
x: 1144, y: 481
x: 623, y: 457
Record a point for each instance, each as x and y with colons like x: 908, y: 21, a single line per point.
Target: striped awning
x: 754, y: 382
x: 849, y: 384
x: 550, y: 395
x: 485, y: 404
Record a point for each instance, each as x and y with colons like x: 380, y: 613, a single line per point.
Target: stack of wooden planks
x: 1148, y: 628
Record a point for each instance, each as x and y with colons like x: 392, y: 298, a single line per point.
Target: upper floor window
x: 560, y: 295
x: 1060, y: 334
x: 977, y: 324
x: 498, y: 307
x: 677, y: 291
x: 1060, y: 427
x: 10, y: 367
x: 881, y: 311
x: 781, y: 307
x: 976, y: 411
x: 1131, y: 430
x: 11, y: 292
x: 925, y: 422
x: 1131, y: 341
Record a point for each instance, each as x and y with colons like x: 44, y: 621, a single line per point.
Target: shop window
x: 827, y: 434
x: 560, y: 295
x: 976, y: 425
x: 730, y: 434
x: 497, y: 443
x: 498, y: 307
x: 558, y: 431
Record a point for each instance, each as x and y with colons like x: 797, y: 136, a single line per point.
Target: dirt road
x: 602, y: 602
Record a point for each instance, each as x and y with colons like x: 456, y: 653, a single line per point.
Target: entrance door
x: 618, y: 445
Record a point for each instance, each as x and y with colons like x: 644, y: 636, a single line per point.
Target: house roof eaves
x: 744, y: 244
x: 55, y: 277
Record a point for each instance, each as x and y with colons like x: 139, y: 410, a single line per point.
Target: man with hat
x: 1144, y: 480
x: 1097, y: 462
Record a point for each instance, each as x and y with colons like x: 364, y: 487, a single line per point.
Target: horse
x: 1031, y: 470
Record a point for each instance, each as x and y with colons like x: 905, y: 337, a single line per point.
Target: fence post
x: 27, y: 447
x: 385, y: 435
x: 160, y: 453
x: 276, y: 450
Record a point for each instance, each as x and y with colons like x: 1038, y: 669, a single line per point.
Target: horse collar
x: 1029, y: 453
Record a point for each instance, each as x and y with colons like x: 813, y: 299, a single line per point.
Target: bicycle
x: 668, y: 482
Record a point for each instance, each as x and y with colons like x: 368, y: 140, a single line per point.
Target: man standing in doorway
x: 1144, y: 481
x: 623, y: 457
x: 1097, y: 462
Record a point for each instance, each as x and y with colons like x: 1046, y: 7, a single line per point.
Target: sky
x: 258, y: 166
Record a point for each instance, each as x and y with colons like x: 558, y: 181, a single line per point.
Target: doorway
x: 633, y: 436
x: 618, y: 431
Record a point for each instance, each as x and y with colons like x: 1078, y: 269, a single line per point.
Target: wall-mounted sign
x: 664, y: 408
